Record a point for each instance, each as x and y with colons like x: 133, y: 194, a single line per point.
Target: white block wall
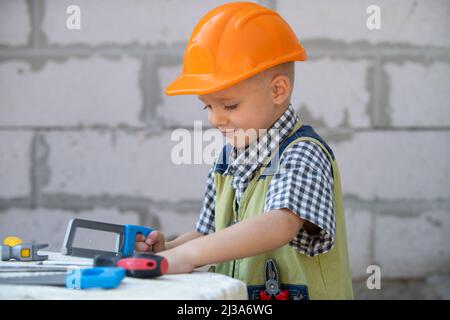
x: 85, y: 126
x: 420, y: 23
x: 14, y: 23
x: 122, y: 164
x: 76, y: 86
x: 15, y: 164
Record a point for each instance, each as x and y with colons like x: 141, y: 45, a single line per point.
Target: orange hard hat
x: 234, y: 42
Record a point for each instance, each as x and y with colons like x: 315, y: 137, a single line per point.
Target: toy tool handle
x: 144, y: 265
x: 106, y: 277
x: 129, y: 238
x: 106, y: 261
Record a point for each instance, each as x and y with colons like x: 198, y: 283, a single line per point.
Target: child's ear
x: 280, y: 89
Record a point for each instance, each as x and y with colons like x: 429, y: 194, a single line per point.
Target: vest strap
x: 305, y: 131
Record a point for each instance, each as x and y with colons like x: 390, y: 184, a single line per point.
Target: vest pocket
x: 295, y: 291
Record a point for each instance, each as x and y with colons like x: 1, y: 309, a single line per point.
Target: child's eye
x: 231, y: 107
x: 206, y: 107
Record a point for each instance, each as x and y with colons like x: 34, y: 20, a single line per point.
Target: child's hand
x: 178, y: 260
x: 154, y: 242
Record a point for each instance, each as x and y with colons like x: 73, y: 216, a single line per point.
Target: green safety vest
x: 324, y: 276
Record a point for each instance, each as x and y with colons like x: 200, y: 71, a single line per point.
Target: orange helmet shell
x: 231, y: 43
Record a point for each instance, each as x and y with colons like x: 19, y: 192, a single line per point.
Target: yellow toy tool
x: 14, y: 248
x: 12, y: 241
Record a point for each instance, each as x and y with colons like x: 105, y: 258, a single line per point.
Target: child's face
x: 239, y: 111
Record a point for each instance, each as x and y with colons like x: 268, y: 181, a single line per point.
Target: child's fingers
x: 139, y: 237
x: 139, y: 244
x: 157, y: 240
x: 159, y: 246
x: 153, y: 237
x: 154, y: 240
x: 142, y: 247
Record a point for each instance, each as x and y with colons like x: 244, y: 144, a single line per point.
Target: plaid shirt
x: 303, y: 184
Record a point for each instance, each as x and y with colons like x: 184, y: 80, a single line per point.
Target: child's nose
x: 217, y: 118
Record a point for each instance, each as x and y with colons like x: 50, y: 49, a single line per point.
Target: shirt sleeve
x: 205, y: 223
x: 303, y: 184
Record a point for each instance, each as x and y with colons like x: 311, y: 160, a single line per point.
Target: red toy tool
x: 273, y: 288
x: 137, y: 266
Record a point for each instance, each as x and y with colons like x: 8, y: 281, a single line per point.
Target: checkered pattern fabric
x: 303, y: 184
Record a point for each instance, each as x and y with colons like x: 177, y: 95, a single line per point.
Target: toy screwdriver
x: 138, y: 266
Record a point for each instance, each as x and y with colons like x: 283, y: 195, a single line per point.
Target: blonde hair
x: 285, y: 69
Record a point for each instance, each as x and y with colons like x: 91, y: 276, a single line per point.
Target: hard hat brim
x: 193, y: 84
x: 207, y: 83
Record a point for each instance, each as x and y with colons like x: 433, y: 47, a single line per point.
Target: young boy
x: 272, y: 215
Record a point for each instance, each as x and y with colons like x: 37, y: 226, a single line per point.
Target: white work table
x: 194, y: 286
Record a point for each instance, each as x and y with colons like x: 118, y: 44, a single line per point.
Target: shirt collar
x: 244, y: 162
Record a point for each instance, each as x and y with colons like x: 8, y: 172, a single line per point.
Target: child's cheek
x: 242, y: 138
